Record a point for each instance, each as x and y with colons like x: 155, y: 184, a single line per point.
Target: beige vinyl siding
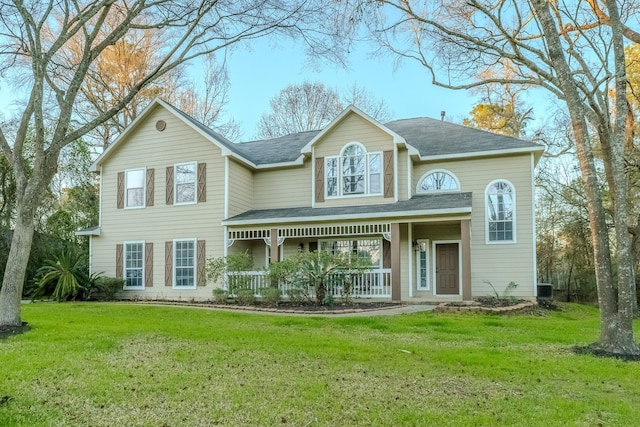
x: 496, y: 263
x: 240, y: 188
x: 401, y: 173
x: 283, y: 188
x: 353, y: 128
x: 161, y: 223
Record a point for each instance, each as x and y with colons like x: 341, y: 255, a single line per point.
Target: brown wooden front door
x: 447, y: 269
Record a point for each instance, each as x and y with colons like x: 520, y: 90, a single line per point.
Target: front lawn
x: 127, y: 365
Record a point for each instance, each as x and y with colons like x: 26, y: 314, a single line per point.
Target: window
x: 354, y: 172
x: 134, y: 265
x: 438, y: 180
x: 185, y: 183
x: 422, y: 263
x: 134, y: 184
x: 368, y: 250
x: 184, y: 273
x: 500, y: 197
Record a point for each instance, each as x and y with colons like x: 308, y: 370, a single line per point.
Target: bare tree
x: 311, y: 106
x: 573, y: 49
x: 34, y: 36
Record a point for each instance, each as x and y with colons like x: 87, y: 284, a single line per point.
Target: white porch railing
x: 374, y: 283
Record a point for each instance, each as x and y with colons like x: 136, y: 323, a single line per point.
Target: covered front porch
x: 417, y: 254
x: 371, y: 241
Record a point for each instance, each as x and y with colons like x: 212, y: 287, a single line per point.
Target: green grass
x: 129, y: 365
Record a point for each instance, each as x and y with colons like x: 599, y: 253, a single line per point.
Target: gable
x: 352, y: 128
x: 145, y: 120
x: 176, y: 142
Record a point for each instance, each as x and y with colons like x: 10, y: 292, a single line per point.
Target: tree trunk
x: 622, y: 341
x: 14, y: 274
x: 321, y: 292
x: 616, y: 328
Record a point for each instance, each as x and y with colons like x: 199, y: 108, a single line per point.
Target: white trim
x: 340, y: 173
x: 533, y: 226
x: 428, y: 259
x: 267, y: 253
x: 93, y: 231
x: 100, y: 200
x: 225, y: 248
x: 409, y: 177
x: 90, y: 255
x: 369, y: 215
x: 432, y: 171
x: 175, y: 184
x: 513, y: 220
x: 195, y: 264
x: 410, y: 251
x: 124, y: 264
x: 434, y: 257
x: 144, y: 188
x: 492, y: 153
x: 226, y: 186
x: 297, y: 162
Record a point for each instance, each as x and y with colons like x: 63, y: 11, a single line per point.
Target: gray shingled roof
x: 435, y: 137
x: 283, y: 149
x: 429, y: 204
x: 429, y: 136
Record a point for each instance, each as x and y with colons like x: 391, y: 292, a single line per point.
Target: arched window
x: 353, y: 172
x: 438, y: 180
x: 501, y: 211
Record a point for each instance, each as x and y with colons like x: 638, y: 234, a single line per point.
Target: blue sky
x: 259, y: 74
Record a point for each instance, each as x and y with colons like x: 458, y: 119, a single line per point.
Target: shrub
x: 497, y: 300
x: 245, y: 296
x: 227, y: 269
x: 271, y: 295
x: 67, y: 275
x: 107, y: 287
x: 220, y: 296
x: 328, y: 300
x: 297, y: 296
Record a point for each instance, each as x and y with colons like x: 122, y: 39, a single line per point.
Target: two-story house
x: 438, y: 209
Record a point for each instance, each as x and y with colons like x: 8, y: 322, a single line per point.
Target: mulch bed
x: 7, y: 331
x: 286, y: 307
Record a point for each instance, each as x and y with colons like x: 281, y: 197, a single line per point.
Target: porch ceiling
x: 419, y: 205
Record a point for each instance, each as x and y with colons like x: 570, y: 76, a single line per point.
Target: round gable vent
x: 161, y: 125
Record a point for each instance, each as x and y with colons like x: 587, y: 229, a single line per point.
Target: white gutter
x: 286, y: 220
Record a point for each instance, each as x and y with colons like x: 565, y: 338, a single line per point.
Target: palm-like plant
x: 67, y: 272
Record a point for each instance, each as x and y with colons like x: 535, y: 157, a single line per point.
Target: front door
x: 447, y: 269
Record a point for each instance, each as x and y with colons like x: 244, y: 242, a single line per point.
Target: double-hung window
x: 134, y: 265
x: 353, y: 172
x: 134, y: 184
x: 184, y: 271
x: 368, y: 251
x: 186, y: 179
x: 501, y: 211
